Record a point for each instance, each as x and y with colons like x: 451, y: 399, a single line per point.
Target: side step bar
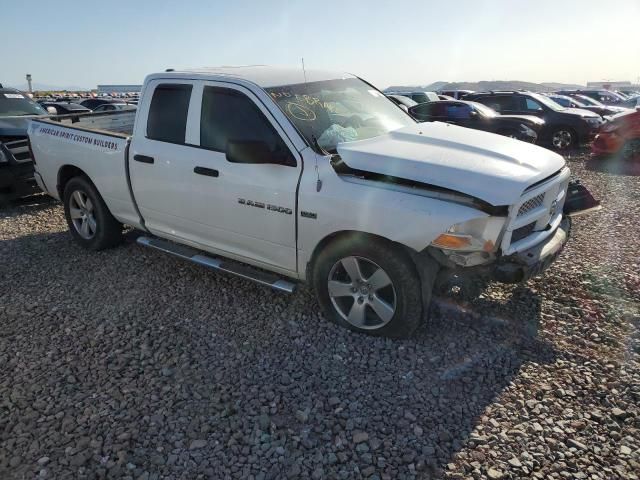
x: 195, y: 256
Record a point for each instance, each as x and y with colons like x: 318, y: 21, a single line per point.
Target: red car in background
x: 621, y: 134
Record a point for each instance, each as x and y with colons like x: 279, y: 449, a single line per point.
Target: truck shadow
x: 235, y: 357
x: 30, y: 204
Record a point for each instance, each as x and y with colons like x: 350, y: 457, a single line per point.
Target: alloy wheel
x: 82, y: 214
x: 562, y: 139
x: 362, y: 293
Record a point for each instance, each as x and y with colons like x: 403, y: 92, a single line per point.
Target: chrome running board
x: 195, y: 256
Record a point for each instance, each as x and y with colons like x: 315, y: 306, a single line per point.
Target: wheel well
x: 66, y: 173
x: 565, y: 127
x: 344, y: 235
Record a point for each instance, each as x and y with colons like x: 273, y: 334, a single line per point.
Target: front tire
x: 370, y: 286
x: 90, y: 221
x: 563, y: 138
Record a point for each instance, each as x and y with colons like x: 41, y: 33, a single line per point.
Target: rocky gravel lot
x: 131, y: 364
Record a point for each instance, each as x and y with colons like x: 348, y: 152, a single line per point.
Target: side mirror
x: 52, y: 110
x: 256, y: 152
x: 404, y: 107
x: 473, y: 114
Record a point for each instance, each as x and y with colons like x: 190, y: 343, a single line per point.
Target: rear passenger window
x: 459, y: 111
x: 167, y: 120
x: 229, y: 115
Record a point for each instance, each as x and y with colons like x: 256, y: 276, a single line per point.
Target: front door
x: 191, y: 190
x: 250, y: 206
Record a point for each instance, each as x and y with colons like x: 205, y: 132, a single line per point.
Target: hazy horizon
x: 410, y: 43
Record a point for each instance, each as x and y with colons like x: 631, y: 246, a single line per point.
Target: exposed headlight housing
x: 471, y: 243
x: 593, y: 121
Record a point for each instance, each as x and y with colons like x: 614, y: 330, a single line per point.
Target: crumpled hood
x: 490, y: 167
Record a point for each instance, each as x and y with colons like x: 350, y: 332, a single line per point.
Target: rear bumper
x: 523, y: 265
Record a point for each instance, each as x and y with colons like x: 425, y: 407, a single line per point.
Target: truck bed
x: 109, y: 122
x: 95, y: 144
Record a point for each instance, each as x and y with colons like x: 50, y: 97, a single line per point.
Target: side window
x: 458, y: 111
x: 499, y: 103
x: 167, y: 120
x: 425, y: 110
x: 531, y: 105
x: 230, y: 116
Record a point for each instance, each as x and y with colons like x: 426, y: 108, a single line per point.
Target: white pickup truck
x: 281, y: 176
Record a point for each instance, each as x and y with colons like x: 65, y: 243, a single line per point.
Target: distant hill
x: 486, y: 85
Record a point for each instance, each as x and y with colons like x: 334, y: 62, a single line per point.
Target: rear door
x: 503, y: 104
x: 159, y: 158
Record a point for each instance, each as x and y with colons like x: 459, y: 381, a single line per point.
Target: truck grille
x: 531, y: 204
x: 537, y: 214
x: 19, y: 149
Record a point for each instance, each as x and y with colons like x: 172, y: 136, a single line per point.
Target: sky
x: 413, y: 42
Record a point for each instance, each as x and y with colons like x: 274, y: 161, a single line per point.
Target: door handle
x: 143, y: 159
x: 209, y: 172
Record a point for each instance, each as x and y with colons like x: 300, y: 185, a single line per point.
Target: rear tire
x: 370, y: 286
x: 90, y: 221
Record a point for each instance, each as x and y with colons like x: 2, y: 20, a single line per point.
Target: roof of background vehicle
x: 501, y: 92
x: 9, y: 90
x: 67, y: 105
x: 262, y: 75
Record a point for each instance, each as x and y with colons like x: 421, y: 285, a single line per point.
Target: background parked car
x: 93, y: 103
x: 112, y: 107
x: 610, y: 109
x: 418, y: 97
x: 403, y: 102
x: 621, y: 133
x: 457, y: 94
x: 63, y: 108
x: 573, y: 102
x: 16, y: 167
x: 479, y: 117
x: 603, y: 96
x: 564, y: 127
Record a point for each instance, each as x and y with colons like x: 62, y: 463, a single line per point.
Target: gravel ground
x: 131, y: 364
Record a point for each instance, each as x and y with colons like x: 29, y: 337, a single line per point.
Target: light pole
x: 29, y: 82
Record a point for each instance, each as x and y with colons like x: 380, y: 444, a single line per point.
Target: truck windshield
x: 16, y: 104
x: 338, y: 111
